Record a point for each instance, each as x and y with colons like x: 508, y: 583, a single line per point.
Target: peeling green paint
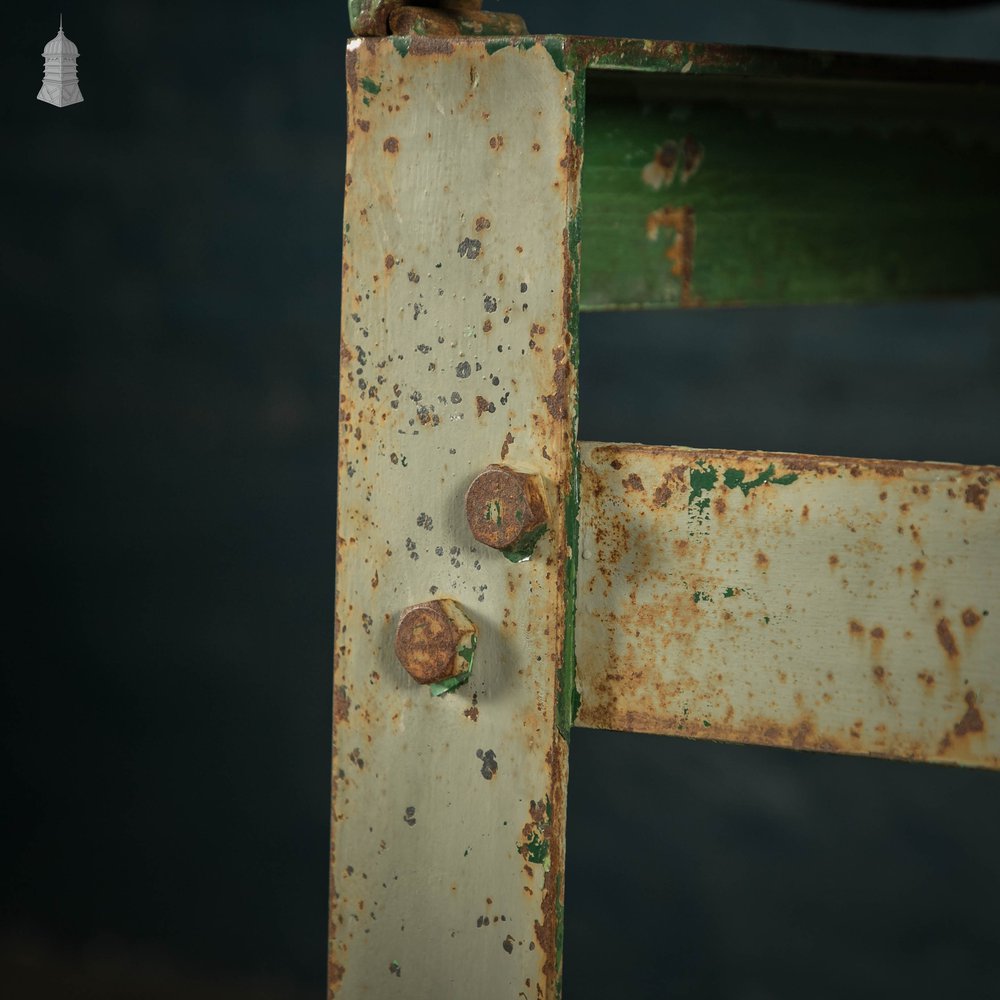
x: 736, y: 478
x: 536, y: 850
x: 370, y: 85
x: 468, y: 654
x: 699, y: 595
x: 703, y: 479
x: 729, y: 592
x: 401, y: 43
x: 526, y: 546
x: 521, y: 42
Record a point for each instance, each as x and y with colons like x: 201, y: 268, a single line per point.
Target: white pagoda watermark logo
x: 59, y: 85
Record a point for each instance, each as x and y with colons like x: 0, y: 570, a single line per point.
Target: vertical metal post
x: 457, y: 352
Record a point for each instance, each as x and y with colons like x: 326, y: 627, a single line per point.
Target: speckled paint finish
x: 457, y: 352
x: 843, y: 605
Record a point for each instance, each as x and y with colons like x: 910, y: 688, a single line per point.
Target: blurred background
x: 169, y: 270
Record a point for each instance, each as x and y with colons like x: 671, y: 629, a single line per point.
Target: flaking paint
x: 832, y: 604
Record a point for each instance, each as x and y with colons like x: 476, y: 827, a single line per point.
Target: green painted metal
x: 793, y: 192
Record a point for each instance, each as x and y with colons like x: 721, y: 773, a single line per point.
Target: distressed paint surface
x: 457, y: 352
x: 843, y: 605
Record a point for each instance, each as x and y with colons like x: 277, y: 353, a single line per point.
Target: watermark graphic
x: 59, y: 84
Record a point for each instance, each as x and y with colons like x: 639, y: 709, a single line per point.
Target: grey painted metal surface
x: 456, y: 353
x: 844, y: 605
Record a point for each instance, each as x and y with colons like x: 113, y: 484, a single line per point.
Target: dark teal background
x: 169, y: 259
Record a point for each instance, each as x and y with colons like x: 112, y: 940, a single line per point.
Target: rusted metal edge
x: 699, y: 58
x: 841, y: 605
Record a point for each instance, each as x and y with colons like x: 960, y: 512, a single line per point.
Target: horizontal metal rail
x: 739, y: 190
x: 844, y: 605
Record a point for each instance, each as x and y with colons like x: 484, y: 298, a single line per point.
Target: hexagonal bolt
x: 506, y: 510
x: 436, y: 643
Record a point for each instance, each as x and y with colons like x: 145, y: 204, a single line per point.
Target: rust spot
x: 535, y: 147
x: 926, y: 677
x: 882, y: 495
x: 946, y: 639
x: 879, y: 672
x: 659, y: 172
x: 336, y: 973
x: 391, y: 145
x: 833, y: 560
x: 805, y: 512
x: 762, y: 560
x: 430, y: 45
x: 348, y: 180
x: 616, y: 464
x: 483, y: 405
x: 856, y: 627
x: 680, y: 253
x: 487, y: 326
x: 970, y: 619
x: 878, y: 632
x: 917, y: 566
x: 558, y: 401
x: 976, y: 495
x: 363, y: 124
x: 496, y: 142
x: 693, y: 153
x: 472, y: 712
x: 352, y: 81
x: 482, y: 223
x: 800, y: 734
x: 390, y: 262
x: 662, y: 493
x: 972, y: 721
x: 505, y: 447
x: 341, y: 704
x: 633, y: 483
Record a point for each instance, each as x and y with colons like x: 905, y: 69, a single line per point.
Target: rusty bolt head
x: 435, y: 641
x: 506, y: 509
